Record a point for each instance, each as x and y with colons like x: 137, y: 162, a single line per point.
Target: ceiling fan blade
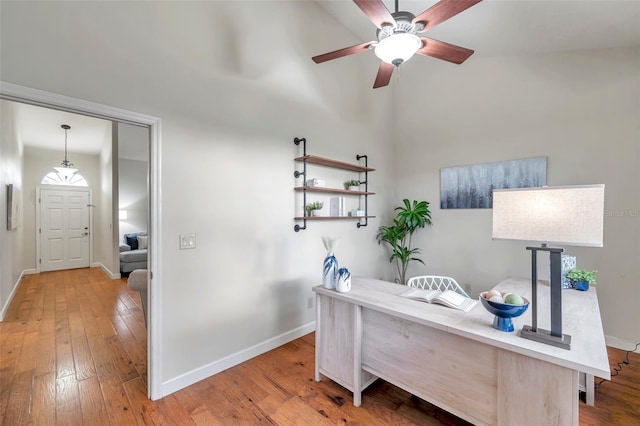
x: 376, y: 11
x: 442, y: 11
x: 445, y: 51
x: 384, y: 74
x: 342, y: 52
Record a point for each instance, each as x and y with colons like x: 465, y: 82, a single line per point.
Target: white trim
x: 29, y: 95
x: 625, y: 345
x: 106, y: 270
x: 208, y: 370
x: 5, y: 308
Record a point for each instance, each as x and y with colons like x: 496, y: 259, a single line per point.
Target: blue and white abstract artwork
x: 471, y: 187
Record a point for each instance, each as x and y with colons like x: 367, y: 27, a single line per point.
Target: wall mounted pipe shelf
x: 316, y: 160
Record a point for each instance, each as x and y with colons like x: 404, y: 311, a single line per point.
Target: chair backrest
x: 435, y: 282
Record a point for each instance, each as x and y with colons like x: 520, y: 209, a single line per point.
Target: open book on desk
x: 447, y: 298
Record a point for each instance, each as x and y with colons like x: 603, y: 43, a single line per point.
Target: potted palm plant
x: 582, y: 278
x: 410, y: 217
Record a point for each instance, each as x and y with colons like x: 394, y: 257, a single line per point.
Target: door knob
x: 85, y: 233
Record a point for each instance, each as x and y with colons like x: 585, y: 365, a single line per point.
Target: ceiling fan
x: 397, y: 39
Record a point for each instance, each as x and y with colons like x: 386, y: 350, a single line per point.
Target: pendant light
x: 65, y: 173
x: 66, y: 169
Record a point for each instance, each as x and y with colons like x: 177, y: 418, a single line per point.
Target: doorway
x: 64, y: 229
x: 16, y: 93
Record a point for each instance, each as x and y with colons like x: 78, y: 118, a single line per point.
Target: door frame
x: 40, y: 188
x: 28, y: 95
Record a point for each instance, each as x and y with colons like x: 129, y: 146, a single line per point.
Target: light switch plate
x: 187, y: 241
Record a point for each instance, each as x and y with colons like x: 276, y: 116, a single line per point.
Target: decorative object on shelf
x: 410, y: 217
x: 566, y: 215
x: 470, y: 187
x: 352, y: 185
x: 337, y: 206
x: 581, y: 278
x: 341, y: 213
x: 498, y: 305
x: 568, y: 263
x: 313, y: 209
x: 343, y: 285
x: 330, y: 264
x: 316, y: 183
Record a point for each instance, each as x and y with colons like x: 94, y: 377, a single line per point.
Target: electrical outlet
x: 310, y: 303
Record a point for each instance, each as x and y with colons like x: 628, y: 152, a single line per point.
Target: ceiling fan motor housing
x: 403, y: 27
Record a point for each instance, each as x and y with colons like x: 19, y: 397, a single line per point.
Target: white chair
x: 435, y: 282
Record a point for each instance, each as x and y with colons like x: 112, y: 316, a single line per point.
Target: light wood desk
x: 457, y: 360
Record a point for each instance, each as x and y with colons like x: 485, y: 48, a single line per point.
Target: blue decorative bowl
x: 503, y: 312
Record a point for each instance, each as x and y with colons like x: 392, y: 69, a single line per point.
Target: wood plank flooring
x: 73, y: 352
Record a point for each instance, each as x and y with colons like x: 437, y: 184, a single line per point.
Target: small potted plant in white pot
x: 582, y: 278
x: 352, y: 185
x: 313, y: 209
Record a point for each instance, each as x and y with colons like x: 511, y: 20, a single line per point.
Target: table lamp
x: 564, y: 215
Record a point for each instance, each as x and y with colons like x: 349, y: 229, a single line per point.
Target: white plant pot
x: 354, y: 188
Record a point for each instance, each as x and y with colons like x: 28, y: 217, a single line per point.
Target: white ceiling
x: 491, y: 28
x: 40, y: 127
x: 514, y: 27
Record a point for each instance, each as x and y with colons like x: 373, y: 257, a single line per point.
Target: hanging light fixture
x: 65, y: 173
x: 66, y: 169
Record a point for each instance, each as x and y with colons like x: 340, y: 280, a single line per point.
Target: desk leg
x: 318, y: 333
x: 357, y: 355
x: 589, y: 386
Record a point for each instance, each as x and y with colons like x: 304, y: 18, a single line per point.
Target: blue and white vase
x: 330, y: 271
x: 344, y: 280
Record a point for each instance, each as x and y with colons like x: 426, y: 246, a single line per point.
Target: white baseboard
x: 5, y: 308
x: 215, y: 367
x: 107, y: 271
x: 625, y: 345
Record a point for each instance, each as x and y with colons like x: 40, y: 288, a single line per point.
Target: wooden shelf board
x: 331, y: 217
x: 331, y: 190
x: 328, y: 162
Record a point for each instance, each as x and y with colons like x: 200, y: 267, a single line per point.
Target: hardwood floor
x: 73, y: 351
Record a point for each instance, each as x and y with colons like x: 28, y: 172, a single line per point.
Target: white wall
x: 11, y: 242
x: 133, y: 175
x: 231, y: 97
x: 37, y: 163
x: 104, y: 233
x: 581, y: 110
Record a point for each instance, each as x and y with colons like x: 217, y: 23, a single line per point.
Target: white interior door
x: 64, y: 229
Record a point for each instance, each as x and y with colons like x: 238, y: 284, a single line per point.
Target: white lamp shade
x: 400, y: 46
x: 566, y: 215
x: 65, y: 172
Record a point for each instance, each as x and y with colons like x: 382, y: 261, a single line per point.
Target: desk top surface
x: 580, y: 319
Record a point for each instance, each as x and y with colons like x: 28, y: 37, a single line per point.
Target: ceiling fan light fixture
x: 398, y: 48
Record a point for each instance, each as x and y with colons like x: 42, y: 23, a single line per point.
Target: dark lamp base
x: 544, y: 336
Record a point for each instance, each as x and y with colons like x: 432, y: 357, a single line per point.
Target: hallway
x: 74, y: 349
